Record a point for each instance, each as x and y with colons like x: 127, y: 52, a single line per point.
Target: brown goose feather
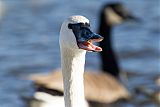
x: 99, y: 87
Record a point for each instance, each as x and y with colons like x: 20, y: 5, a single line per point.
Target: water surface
x: 29, y: 34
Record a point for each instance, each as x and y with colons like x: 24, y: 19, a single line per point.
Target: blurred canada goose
x: 99, y: 87
x: 111, y: 15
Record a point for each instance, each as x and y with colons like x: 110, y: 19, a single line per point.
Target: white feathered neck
x: 72, y: 62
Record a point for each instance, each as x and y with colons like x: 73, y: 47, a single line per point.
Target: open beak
x: 88, y: 43
x: 85, y: 37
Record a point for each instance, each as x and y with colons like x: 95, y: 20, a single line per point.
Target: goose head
x: 116, y: 13
x: 75, y: 35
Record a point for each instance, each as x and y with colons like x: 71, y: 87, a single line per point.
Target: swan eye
x: 87, y: 24
x: 78, y: 25
x: 69, y: 26
x: 74, y: 26
x: 84, y: 24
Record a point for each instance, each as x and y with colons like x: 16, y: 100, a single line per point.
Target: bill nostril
x: 87, y: 33
x: 96, y: 36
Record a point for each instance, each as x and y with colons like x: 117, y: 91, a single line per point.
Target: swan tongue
x: 89, y: 46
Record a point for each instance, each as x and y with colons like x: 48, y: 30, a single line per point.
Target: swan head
x: 116, y: 13
x: 75, y: 34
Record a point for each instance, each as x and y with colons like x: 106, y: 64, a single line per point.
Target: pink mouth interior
x: 89, y: 46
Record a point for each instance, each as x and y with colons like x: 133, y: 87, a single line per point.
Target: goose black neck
x: 109, y: 61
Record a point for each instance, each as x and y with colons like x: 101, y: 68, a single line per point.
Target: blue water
x: 29, y: 34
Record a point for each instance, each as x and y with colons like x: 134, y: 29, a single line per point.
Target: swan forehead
x: 78, y: 19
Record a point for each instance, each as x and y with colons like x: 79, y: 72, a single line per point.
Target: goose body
x: 42, y: 99
x: 96, y: 90
x: 100, y: 84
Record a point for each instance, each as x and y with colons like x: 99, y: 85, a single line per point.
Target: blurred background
x: 29, y: 32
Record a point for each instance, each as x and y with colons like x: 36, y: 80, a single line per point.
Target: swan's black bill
x: 85, y: 37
